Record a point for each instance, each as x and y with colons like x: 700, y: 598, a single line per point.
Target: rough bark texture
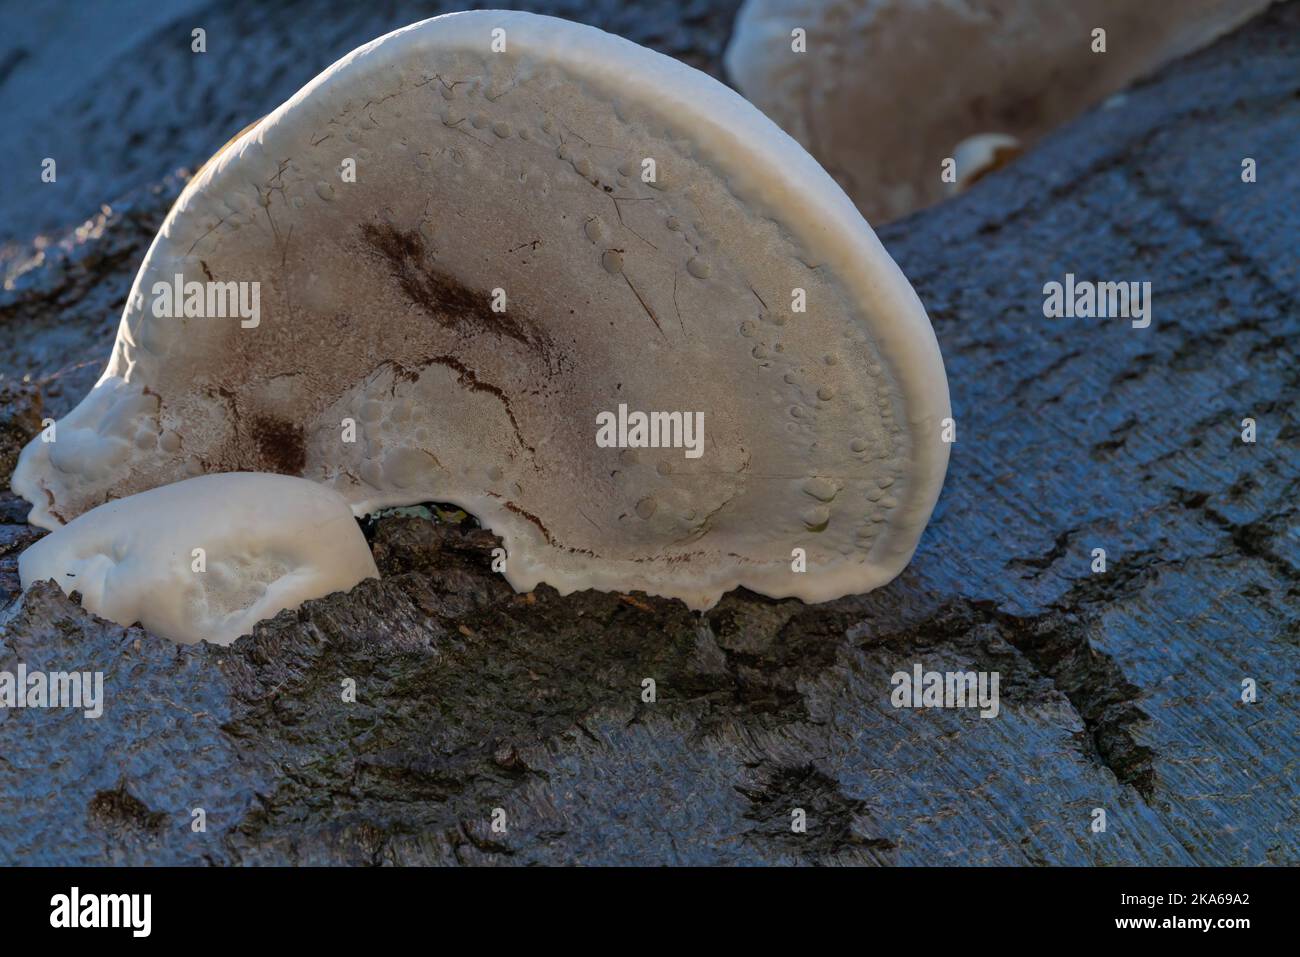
x: 1119, y: 691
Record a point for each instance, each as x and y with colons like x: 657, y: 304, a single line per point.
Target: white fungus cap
x: 977, y: 156
x: 884, y: 88
x: 207, y: 558
x: 546, y: 223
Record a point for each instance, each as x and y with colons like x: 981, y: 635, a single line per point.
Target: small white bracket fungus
x: 978, y: 156
x: 521, y: 171
x: 270, y: 542
x: 894, y: 83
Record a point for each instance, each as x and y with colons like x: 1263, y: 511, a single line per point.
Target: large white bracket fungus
x: 546, y: 223
x: 207, y: 558
x: 880, y: 90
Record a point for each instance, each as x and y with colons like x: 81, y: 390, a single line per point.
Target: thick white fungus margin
x: 269, y: 542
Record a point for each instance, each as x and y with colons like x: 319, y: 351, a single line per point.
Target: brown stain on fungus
x: 470, y: 380
x: 281, y: 445
x: 444, y: 298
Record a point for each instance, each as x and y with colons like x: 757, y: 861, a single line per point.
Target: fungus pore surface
x: 547, y: 228
x: 207, y: 558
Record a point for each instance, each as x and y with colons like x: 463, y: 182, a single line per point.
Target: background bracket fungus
x: 207, y: 558
x: 539, y: 231
x: 1021, y: 68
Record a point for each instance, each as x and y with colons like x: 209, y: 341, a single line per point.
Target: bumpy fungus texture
x: 886, y: 87
x: 268, y: 542
x: 534, y: 237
